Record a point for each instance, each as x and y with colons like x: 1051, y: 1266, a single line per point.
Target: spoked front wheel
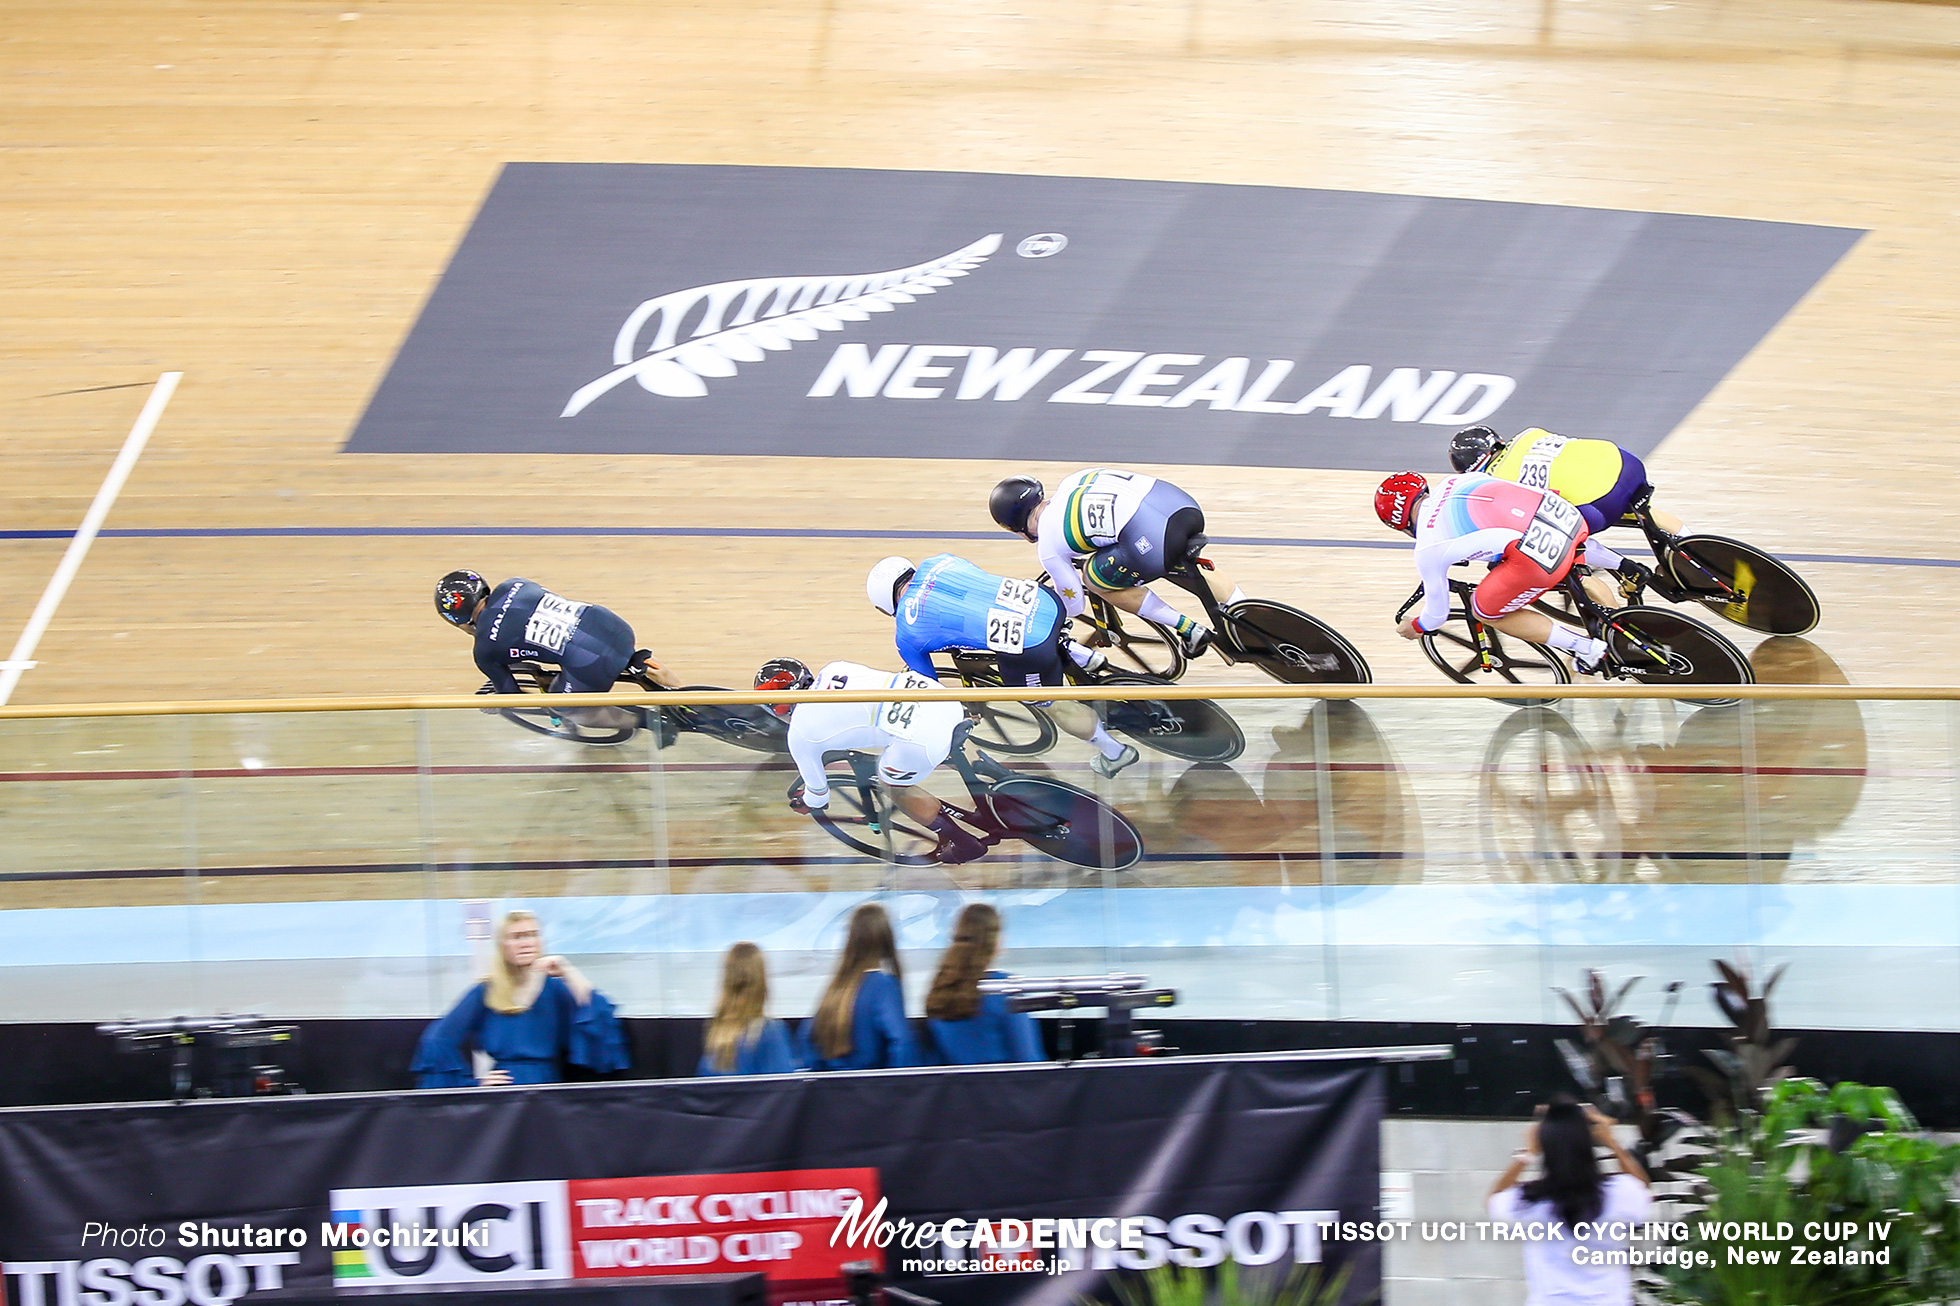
x: 1659, y: 647
x: 860, y: 818
x: 1013, y: 729
x: 1741, y: 583
x: 1194, y: 729
x: 1472, y: 653
x: 1069, y: 824
x: 544, y: 721
x: 1292, y: 646
x: 1135, y: 646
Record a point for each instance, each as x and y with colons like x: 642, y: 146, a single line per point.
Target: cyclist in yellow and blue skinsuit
x: 1599, y: 478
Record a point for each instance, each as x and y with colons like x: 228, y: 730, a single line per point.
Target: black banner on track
x: 1194, y: 1160
x: 697, y: 309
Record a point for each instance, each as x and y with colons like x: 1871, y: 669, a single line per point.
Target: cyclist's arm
x: 807, y: 753
x: 1434, y: 560
x: 1598, y: 555
x: 498, y: 673
x: 1051, y: 545
x: 916, y: 658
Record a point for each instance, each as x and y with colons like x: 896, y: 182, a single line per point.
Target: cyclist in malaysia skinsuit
x: 1124, y: 528
x: 910, y: 739
x: 948, y: 603
x: 522, y: 621
x: 1529, y: 537
x: 1599, y: 478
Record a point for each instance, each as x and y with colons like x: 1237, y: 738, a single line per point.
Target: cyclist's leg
x: 598, y: 651
x: 1633, y: 487
x: 902, y: 766
x: 1144, y: 550
x: 1040, y: 665
x: 1503, y: 597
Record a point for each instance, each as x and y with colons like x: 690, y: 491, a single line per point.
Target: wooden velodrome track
x: 261, y: 195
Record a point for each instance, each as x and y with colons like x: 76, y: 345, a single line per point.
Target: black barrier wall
x: 1211, y: 1157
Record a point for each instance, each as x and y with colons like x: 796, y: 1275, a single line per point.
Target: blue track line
x: 772, y: 533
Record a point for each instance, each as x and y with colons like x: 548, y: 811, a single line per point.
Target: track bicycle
x: 1067, y: 823
x: 1194, y: 729
x: 748, y: 726
x: 1737, y: 582
x: 1291, y: 646
x: 1656, y: 646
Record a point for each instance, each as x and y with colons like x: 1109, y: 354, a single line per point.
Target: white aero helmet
x: 884, y: 577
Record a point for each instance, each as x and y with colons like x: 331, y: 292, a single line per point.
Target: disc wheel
x: 1293, y: 647
x: 751, y: 726
x: 1069, y: 824
x: 1659, y: 647
x: 1135, y: 646
x: 1195, y: 729
x: 1496, y: 659
x: 1739, y: 582
x: 859, y: 818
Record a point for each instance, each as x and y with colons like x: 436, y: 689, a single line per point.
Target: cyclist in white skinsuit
x: 911, y: 740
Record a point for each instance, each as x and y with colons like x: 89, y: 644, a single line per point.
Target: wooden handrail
x: 1085, y: 693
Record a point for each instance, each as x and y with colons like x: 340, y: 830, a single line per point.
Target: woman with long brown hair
x: 530, y: 1015
x: 741, y: 1039
x: 860, y: 1023
x: 1576, y: 1213
x: 969, y: 1028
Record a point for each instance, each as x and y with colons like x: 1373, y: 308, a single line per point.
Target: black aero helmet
x: 457, y: 595
x: 1473, y: 445
x: 784, y: 673
x: 1013, y: 500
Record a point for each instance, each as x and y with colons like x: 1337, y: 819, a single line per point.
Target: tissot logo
x: 809, y: 311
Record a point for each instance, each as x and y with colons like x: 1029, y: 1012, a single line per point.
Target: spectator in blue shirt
x: 530, y: 1016
x: 860, y: 1023
x: 742, y: 1040
x: 967, y: 1027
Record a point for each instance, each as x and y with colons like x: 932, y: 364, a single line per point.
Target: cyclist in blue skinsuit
x: 948, y: 603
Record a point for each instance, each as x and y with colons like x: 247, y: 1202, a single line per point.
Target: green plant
x: 1848, y: 1159
x: 1177, y: 1285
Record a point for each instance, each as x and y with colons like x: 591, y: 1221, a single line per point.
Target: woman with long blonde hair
x: 741, y: 1039
x: 860, y: 1023
x: 530, y: 1016
x: 967, y: 1027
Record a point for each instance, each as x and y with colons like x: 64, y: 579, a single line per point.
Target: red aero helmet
x: 1395, y: 501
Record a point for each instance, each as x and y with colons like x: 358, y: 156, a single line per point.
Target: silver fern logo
x: 770, y: 314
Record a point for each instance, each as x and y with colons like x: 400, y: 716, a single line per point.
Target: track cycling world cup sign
x: 612, y: 308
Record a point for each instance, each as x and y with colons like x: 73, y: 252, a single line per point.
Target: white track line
x: 71, y: 561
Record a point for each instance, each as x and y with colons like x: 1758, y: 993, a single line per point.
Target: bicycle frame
x: 980, y: 818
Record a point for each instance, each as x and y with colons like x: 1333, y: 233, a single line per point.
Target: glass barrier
x: 1378, y: 859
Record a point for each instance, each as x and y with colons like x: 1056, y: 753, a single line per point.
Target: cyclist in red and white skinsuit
x: 1530, y: 538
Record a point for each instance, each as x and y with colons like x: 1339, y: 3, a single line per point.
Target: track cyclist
x: 522, y: 621
x: 911, y: 740
x: 1529, y: 537
x: 1599, y: 478
x: 1124, y: 528
x: 948, y: 603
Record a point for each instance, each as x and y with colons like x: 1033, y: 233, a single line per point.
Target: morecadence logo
x: 601, y: 308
